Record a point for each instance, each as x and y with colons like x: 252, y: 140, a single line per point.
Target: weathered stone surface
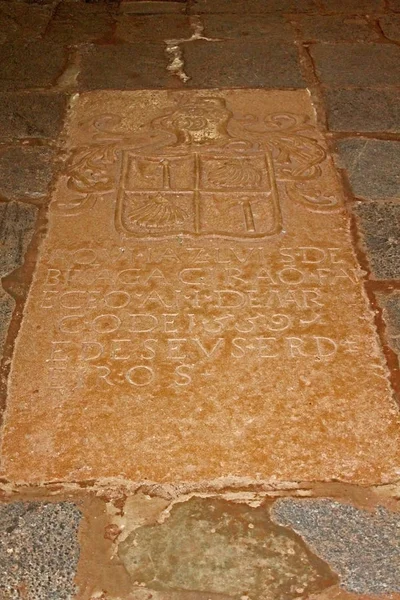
x: 28, y: 65
x: 336, y: 28
x: 363, y: 110
x: 349, y: 6
x: 25, y: 171
x: 77, y: 23
x: 31, y: 115
x: 125, y: 67
x: 391, y: 26
x: 363, y: 547
x: 211, y: 546
x: 25, y: 21
x: 7, y: 305
x: 252, y: 6
x: 39, y: 550
x: 152, y: 6
x: 196, y: 273
x: 394, y: 5
x: 391, y: 313
x: 360, y: 65
x: 373, y: 167
x: 242, y: 63
x: 230, y: 26
x: 380, y: 225
x: 152, y: 28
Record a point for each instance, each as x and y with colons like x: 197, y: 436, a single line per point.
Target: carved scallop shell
x: 156, y: 212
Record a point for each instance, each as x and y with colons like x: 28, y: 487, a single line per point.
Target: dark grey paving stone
x: 124, y: 67
x: 390, y: 25
x: 373, y: 167
x: 363, y: 547
x: 362, y: 65
x: 152, y: 28
x: 21, y: 20
x: 252, y: 6
x: 210, y: 546
x: 391, y: 313
x: 151, y: 7
x: 252, y: 26
x: 354, y: 7
x: 27, y: 65
x: 336, y: 28
x: 79, y: 22
x: 25, y: 171
x: 242, y: 63
x: 363, y: 109
x: 39, y: 550
x: 31, y: 115
x: 7, y: 305
x: 380, y: 228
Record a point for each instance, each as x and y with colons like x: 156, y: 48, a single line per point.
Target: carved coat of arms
x: 198, y: 170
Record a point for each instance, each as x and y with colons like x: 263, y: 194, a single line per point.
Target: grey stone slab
x: 25, y: 171
x: 390, y: 25
x: 363, y: 109
x: 391, y: 313
x: 334, y: 28
x: 380, y: 227
x: 373, y: 167
x: 152, y: 28
x: 363, y: 547
x: 354, y: 6
x: 39, y: 550
x: 31, y: 115
x: 252, y: 6
x: 33, y: 64
x: 362, y: 65
x: 143, y: 7
x: 242, y: 63
x: 210, y: 546
x: 225, y: 26
x: 124, y: 67
x: 7, y: 305
x: 78, y: 23
x: 21, y: 20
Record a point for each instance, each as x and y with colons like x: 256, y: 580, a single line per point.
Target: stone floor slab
x: 31, y: 115
x: 26, y: 171
x: 197, y: 313
x: 363, y: 110
x: 391, y: 313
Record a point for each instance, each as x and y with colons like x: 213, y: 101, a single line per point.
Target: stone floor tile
x: 24, y: 21
x: 25, y: 171
x: 28, y: 65
x: 244, y: 359
x: 394, y: 5
x: 31, y: 115
x: 252, y: 6
x: 362, y: 546
x: 349, y: 6
x: 363, y: 65
x: 242, y: 63
x: 250, y: 26
x: 336, y: 28
x: 125, y: 67
x: 7, y: 305
x: 390, y: 25
x: 380, y: 227
x: 77, y: 23
x: 151, y: 7
x: 152, y: 28
x: 39, y: 550
x: 212, y: 547
x: 373, y: 167
x: 363, y: 110
x: 391, y: 313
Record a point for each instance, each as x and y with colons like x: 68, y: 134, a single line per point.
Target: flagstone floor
x: 200, y: 299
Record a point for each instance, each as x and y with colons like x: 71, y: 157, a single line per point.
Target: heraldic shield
x: 198, y: 194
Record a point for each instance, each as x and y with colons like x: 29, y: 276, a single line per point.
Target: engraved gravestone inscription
x: 198, y: 313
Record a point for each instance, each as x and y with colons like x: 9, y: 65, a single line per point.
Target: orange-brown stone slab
x: 198, y: 313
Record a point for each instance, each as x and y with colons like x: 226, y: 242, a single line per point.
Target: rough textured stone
x: 363, y: 547
x: 185, y: 280
x: 152, y: 7
x: 25, y: 21
x: 252, y: 26
x: 336, y: 28
x: 391, y: 312
x: 363, y: 110
x: 125, y: 67
x: 391, y: 26
x: 7, y: 305
x: 394, y: 5
x: 211, y: 546
x: 350, y: 6
x: 77, y: 23
x: 152, y: 28
x: 26, y: 171
x: 242, y: 63
x: 252, y: 6
x: 380, y: 225
x: 360, y: 65
x: 39, y: 550
x: 31, y: 115
x: 28, y: 65
x: 373, y: 167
